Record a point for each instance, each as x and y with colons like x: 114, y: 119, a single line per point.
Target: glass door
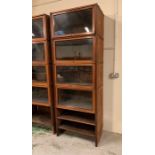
x: 38, y: 51
x: 39, y: 74
x: 73, y: 22
x: 80, y: 49
x: 78, y: 75
x: 75, y: 99
x: 39, y: 28
x: 40, y: 95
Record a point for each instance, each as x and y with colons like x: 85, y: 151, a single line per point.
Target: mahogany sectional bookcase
x: 42, y: 98
x: 77, y: 55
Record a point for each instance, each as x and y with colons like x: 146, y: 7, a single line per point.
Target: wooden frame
x: 97, y: 85
x: 47, y: 65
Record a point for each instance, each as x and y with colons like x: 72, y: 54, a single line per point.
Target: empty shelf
x: 81, y: 131
x: 76, y: 118
x: 75, y: 127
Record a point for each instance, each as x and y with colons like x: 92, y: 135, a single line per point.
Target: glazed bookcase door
x: 40, y: 55
x: 74, y: 50
x: 40, y: 95
x: 82, y: 75
x: 38, y: 52
x: 75, y: 99
x: 39, y: 74
x: 73, y: 23
x: 39, y: 28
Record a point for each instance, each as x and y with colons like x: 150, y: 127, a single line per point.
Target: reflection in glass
x: 38, y: 53
x: 38, y: 73
x: 73, y: 22
x: 75, y: 98
x: 39, y: 94
x: 74, y: 74
x: 37, y: 28
x: 74, y: 49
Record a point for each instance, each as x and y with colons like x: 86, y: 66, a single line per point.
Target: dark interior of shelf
x: 74, y: 98
x: 79, y: 117
x: 41, y: 116
x: 82, y: 129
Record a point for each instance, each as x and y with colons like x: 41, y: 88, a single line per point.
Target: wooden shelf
x: 39, y: 84
x: 38, y: 63
x: 75, y: 86
x: 76, y: 118
x: 43, y: 104
x: 75, y: 109
x: 41, y: 120
x: 78, y: 130
x: 74, y: 62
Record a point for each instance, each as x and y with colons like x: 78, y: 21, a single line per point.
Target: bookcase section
x: 77, y: 48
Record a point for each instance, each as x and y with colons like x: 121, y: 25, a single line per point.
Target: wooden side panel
x: 99, y: 49
x: 99, y: 77
x: 99, y: 21
x: 99, y: 84
x: 99, y: 114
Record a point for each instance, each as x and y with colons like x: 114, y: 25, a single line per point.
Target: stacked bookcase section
x: 77, y: 45
x: 42, y: 105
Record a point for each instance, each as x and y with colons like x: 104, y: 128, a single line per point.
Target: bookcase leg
x: 58, y: 132
x: 96, y: 143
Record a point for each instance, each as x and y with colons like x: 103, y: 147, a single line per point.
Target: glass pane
x: 37, y: 28
x: 39, y: 73
x: 39, y: 94
x: 73, y: 22
x: 74, y: 49
x: 75, y: 98
x: 74, y: 74
x: 38, y: 53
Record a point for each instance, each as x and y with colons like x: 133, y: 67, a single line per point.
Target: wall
x: 112, y: 88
